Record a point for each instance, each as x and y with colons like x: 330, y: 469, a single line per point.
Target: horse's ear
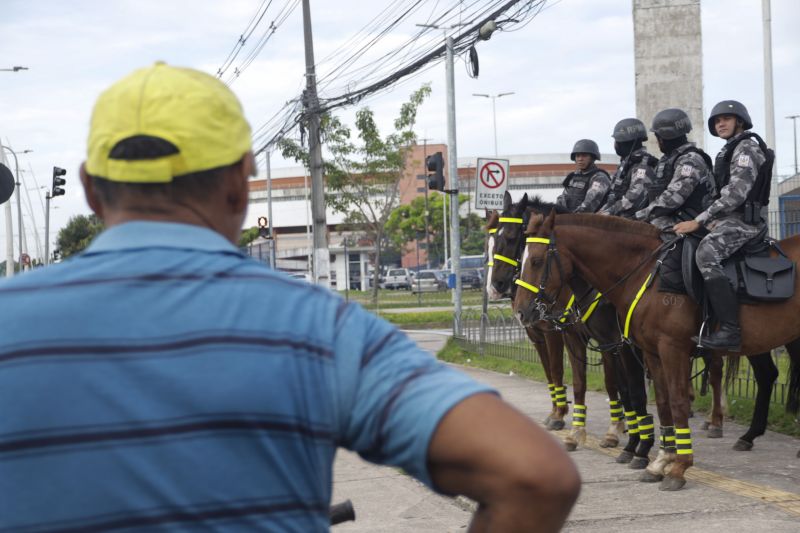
x: 523, y: 203
x: 534, y: 223
x: 491, y: 219
x: 506, y: 201
x: 550, y: 221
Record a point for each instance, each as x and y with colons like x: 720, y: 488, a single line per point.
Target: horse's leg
x: 555, y: 354
x: 715, y: 420
x: 576, y: 348
x: 675, y: 367
x: 633, y: 374
x: 766, y: 373
x: 646, y: 427
x: 617, y: 397
x: 536, y: 336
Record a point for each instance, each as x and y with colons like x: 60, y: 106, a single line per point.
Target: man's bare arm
x: 521, y: 477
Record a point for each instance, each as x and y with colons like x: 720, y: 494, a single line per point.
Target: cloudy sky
x: 571, y: 70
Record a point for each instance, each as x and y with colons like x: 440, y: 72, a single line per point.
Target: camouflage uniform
x: 629, y: 191
x: 585, y: 191
x: 728, y: 230
x: 690, y: 171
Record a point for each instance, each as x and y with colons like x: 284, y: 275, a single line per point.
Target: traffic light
x: 435, y: 165
x: 58, y: 182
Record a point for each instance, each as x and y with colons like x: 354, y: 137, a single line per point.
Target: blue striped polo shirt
x: 163, y: 381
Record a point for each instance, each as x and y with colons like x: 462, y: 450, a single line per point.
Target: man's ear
x: 91, y: 194
x: 238, y: 178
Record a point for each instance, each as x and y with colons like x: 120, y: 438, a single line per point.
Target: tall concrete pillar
x: 669, y: 62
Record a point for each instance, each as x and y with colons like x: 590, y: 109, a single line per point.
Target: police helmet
x: 671, y: 123
x: 585, y: 146
x: 729, y: 107
x: 629, y: 129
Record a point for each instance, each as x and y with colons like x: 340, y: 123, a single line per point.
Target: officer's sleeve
x: 745, y: 162
x: 635, y: 197
x: 391, y: 394
x: 595, y: 195
x: 561, y: 201
x: 686, y: 177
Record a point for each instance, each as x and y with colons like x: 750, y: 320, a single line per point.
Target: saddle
x: 756, y: 276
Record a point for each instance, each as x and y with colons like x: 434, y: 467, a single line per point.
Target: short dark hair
x: 197, y: 185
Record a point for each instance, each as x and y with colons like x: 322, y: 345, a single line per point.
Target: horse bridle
x: 542, y: 302
x: 514, y: 262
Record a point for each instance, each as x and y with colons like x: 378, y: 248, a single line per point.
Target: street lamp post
x: 19, y: 199
x: 494, y: 112
x: 794, y: 124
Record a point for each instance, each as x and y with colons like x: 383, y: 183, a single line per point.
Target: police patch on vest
x: 686, y: 170
x: 743, y: 161
x: 578, y: 184
x: 640, y: 173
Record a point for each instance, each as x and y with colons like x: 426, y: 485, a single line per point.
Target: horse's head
x: 543, y: 272
x: 506, y: 247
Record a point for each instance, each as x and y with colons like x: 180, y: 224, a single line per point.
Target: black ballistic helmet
x: 629, y: 129
x: 671, y: 123
x: 585, y: 146
x: 729, y: 107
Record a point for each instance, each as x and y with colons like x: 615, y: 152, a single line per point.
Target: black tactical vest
x: 622, y: 177
x: 576, y: 184
x: 759, y: 194
x: 694, y: 205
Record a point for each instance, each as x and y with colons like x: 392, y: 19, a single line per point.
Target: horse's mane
x: 611, y: 223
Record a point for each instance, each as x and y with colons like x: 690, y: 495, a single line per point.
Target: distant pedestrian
x: 163, y: 381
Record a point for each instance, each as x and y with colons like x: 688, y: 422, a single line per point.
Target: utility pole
x: 19, y: 203
x: 321, y: 259
x: 794, y: 124
x: 769, y: 114
x: 47, y: 229
x: 452, y: 163
x: 272, y: 248
x: 9, y: 228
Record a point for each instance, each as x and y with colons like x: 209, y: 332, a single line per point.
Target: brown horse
x: 618, y: 257
x: 503, y: 249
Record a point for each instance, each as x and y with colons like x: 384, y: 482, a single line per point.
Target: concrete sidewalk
x: 726, y: 490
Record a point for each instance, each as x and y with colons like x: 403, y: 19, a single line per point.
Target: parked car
x: 429, y: 281
x: 398, y: 278
x: 471, y: 278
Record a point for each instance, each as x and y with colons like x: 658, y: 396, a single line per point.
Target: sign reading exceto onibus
x: 491, y: 183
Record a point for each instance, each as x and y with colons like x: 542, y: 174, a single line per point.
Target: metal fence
x: 504, y: 337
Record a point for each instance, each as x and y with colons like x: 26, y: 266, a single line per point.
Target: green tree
x: 77, y: 234
x: 248, y: 236
x: 363, y: 177
x: 407, y: 224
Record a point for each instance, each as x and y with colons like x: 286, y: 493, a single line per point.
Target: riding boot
x: 726, y: 308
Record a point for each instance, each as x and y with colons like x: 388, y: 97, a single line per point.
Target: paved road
x: 727, y: 491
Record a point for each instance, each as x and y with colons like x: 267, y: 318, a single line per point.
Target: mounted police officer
x: 635, y: 173
x: 585, y: 190
x: 683, y: 184
x: 743, y: 181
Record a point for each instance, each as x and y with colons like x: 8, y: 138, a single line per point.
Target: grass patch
x: 739, y: 410
x: 424, y: 320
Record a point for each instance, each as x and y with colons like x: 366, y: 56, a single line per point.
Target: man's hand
x: 682, y: 228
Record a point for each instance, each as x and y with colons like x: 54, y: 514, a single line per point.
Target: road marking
x: 787, y: 501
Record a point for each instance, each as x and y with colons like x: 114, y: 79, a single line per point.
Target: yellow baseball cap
x: 191, y: 109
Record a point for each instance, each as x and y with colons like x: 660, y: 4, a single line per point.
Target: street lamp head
x: 505, y: 94
x: 481, y: 94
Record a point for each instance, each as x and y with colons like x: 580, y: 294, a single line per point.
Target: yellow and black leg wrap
x: 633, y: 425
x: 615, y: 409
x: 668, y: 439
x: 578, y: 416
x: 646, y: 428
x: 552, y: 388
x: 561, y: 396
x: 683, y: 441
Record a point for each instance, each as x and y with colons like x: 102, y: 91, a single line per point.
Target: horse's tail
x: 793, y: 396
x: 731, y: 371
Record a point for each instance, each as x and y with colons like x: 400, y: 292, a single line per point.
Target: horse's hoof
x: 714, y: 432
x: 609, y: 442
x: 624, y: 457
x: 704, y: 425
x: 744, y: 446
x: 649, y: 477
x: 638, y: 463
x: 555, y: 425
x: 571, y: 446
x: 672, y: 483
x: 546, y: 421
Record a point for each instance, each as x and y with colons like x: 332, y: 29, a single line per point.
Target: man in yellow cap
x: 162, y: 380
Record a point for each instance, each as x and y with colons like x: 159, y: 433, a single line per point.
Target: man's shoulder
x: 692, y: 158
